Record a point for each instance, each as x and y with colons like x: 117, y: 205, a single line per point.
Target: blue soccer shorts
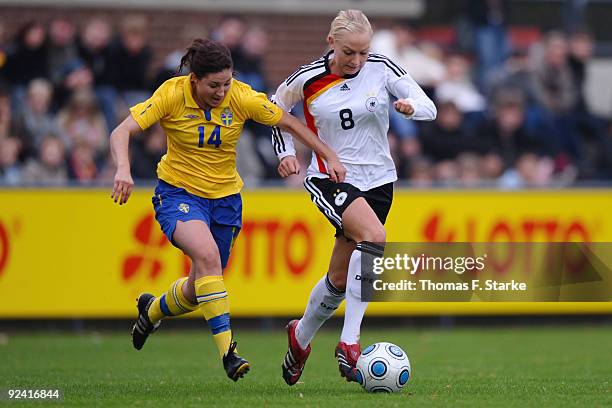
x: 222, y: 215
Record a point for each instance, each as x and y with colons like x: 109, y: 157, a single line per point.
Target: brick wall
x: 294, y: 40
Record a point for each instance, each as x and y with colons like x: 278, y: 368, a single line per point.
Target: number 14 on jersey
x: 213, y: 139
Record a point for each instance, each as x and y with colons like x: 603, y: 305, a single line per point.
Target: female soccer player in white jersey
x: 346, y: 95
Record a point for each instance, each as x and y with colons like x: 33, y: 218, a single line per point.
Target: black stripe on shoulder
x: 301, y: 71
x: 303, y: 67
x: 395, y: 71
x: 383, y: 58
x: 389, y: 60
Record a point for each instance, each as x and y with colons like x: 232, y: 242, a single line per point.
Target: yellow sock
x: 213, y: 302
x: 171, y: 303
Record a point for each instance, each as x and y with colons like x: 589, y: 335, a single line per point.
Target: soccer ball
x: 383, y: 367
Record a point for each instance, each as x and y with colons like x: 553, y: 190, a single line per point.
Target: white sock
x: 355, y: 308
x: 323, y: 302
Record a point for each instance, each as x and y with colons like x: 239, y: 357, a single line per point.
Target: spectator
x: 95, y: 52
x: 35, y: 119
x: 488, y: 22
x: 94, y: 49
x: 81, y: 120
x: 514, y: 73
x: 580, y: 55
x: 554, y: 85
x: 75, y: 76
x: 468, y: 166
x: 516, y: 76
x: 82, y: 162
x: 421, y: 172
x: 531, y: 170
x: 446, y: 173
x: 50, y: 165
x: 448, y: 136
x: 61, y: 48
x: 457, y: 86
x: 25, y: 60
x: 252, y: 50
x: 506, y: 134
x: 492, y: 167
x: 131, y: 57
x: 10, y: 171
x: 8, y: 126
x: 3, y: 52
x: 591, y: 127
x: 230, y: 32
x: 555, y: 90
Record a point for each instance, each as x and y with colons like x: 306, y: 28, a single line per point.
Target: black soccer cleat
x: 143, y: 326
x: 235, y: 366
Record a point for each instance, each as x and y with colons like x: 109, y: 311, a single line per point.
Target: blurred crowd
x: 61, y: 91
x: 507, y: 116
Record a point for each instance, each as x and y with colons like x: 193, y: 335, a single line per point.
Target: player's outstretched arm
x: 119, y: 142
x: 289, y: 123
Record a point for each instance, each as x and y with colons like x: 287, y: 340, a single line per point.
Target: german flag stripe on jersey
x: 312, y: 90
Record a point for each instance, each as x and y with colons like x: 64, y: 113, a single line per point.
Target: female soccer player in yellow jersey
x: 197, y: 200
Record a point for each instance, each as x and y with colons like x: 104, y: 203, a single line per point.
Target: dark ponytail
x: 205, y: 56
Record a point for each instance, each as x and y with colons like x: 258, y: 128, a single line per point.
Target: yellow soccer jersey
x: 201, y: 156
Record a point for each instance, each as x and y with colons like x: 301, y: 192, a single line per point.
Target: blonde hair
x: 351, y: 21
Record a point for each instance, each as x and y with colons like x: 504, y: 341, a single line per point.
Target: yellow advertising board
x: 74, y: 253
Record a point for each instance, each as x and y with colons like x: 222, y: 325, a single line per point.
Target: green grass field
x: 471, y: 367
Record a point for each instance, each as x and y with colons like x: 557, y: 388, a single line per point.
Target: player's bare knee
x: 376, y: 234
x: 206, y: 262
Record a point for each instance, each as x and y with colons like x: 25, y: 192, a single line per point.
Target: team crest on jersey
x: 371, y: 103
x: 340, y: 198
x: 227, y: 117
x: 183, y: 208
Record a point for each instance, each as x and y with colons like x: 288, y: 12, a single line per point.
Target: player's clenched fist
x: 289, y: 165
x: 403, y: 106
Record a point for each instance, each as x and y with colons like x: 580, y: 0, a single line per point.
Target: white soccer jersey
x: 351, y: 115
